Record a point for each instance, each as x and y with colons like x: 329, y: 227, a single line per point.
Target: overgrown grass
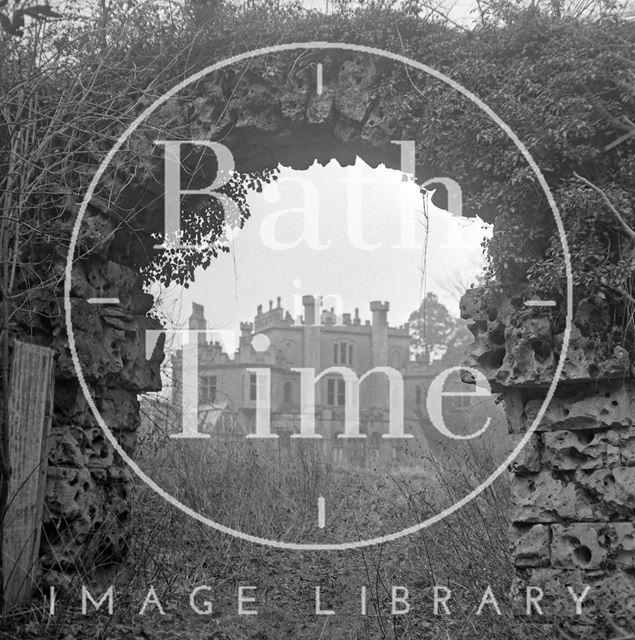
x: 173, y: 554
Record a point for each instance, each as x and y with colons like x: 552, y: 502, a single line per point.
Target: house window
x: 253, y: 394
x: 462, y: 403
x: 418, y: 395
x: 343, y: 353
x: 335, y: 392
x: 287, y: 393
x: 207, y: 389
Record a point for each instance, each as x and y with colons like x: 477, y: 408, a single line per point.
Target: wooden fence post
x: 30, y: 412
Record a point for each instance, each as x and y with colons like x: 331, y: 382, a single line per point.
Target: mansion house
x: 228, y: 390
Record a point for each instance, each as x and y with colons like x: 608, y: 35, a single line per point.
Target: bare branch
x: 629, y: 232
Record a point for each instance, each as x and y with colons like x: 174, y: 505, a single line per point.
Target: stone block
x: 295, y: 95
x: 320, y: 107
x: 529, y: 353
x: 610, y: 493
x: 65, y: 448
x: 542, y: 498
x: 586, y: 360
x: 72, y: 499
x: 109, y: 353
x: 572, y: 628
x: 593, y: 546
x: 96, y: 358
x: 531, y: 545
x: 515, y: 347
x: 112, y: 279
x: 117, y: 318
x: 98, y: 451
x: 608, y: 607
x: 582, y: 449
x: 380, y: 127
x: 119, y: 408
x: 627, y: 447
x: 609, y: 404
x: 355, y: 88
x: 86, y: 520
x: 596, y: 495
x: 258, y: 107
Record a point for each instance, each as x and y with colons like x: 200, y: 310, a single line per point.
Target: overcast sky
x: 362, y: 216
x: 460, y: 11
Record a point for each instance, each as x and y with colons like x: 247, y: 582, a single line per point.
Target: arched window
x: 287, y: 393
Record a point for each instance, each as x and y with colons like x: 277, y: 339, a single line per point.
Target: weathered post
x: 30, y: 409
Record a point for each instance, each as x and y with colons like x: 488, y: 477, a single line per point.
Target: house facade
x: 319, y: 340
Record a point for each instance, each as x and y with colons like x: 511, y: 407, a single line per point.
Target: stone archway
x: 266, y: 121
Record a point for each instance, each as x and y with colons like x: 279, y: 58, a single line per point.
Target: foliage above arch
x: 563, y: 84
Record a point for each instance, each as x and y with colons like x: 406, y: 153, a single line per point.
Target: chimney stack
x: 311, y: 339
x: 379, y: 333
x: 309, y: 309
x: 379, y: 347
x: 244, y: 342
x: 197, y: 321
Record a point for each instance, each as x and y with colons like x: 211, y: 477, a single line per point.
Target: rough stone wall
x: 573, y: 485
x: 87, y: 501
